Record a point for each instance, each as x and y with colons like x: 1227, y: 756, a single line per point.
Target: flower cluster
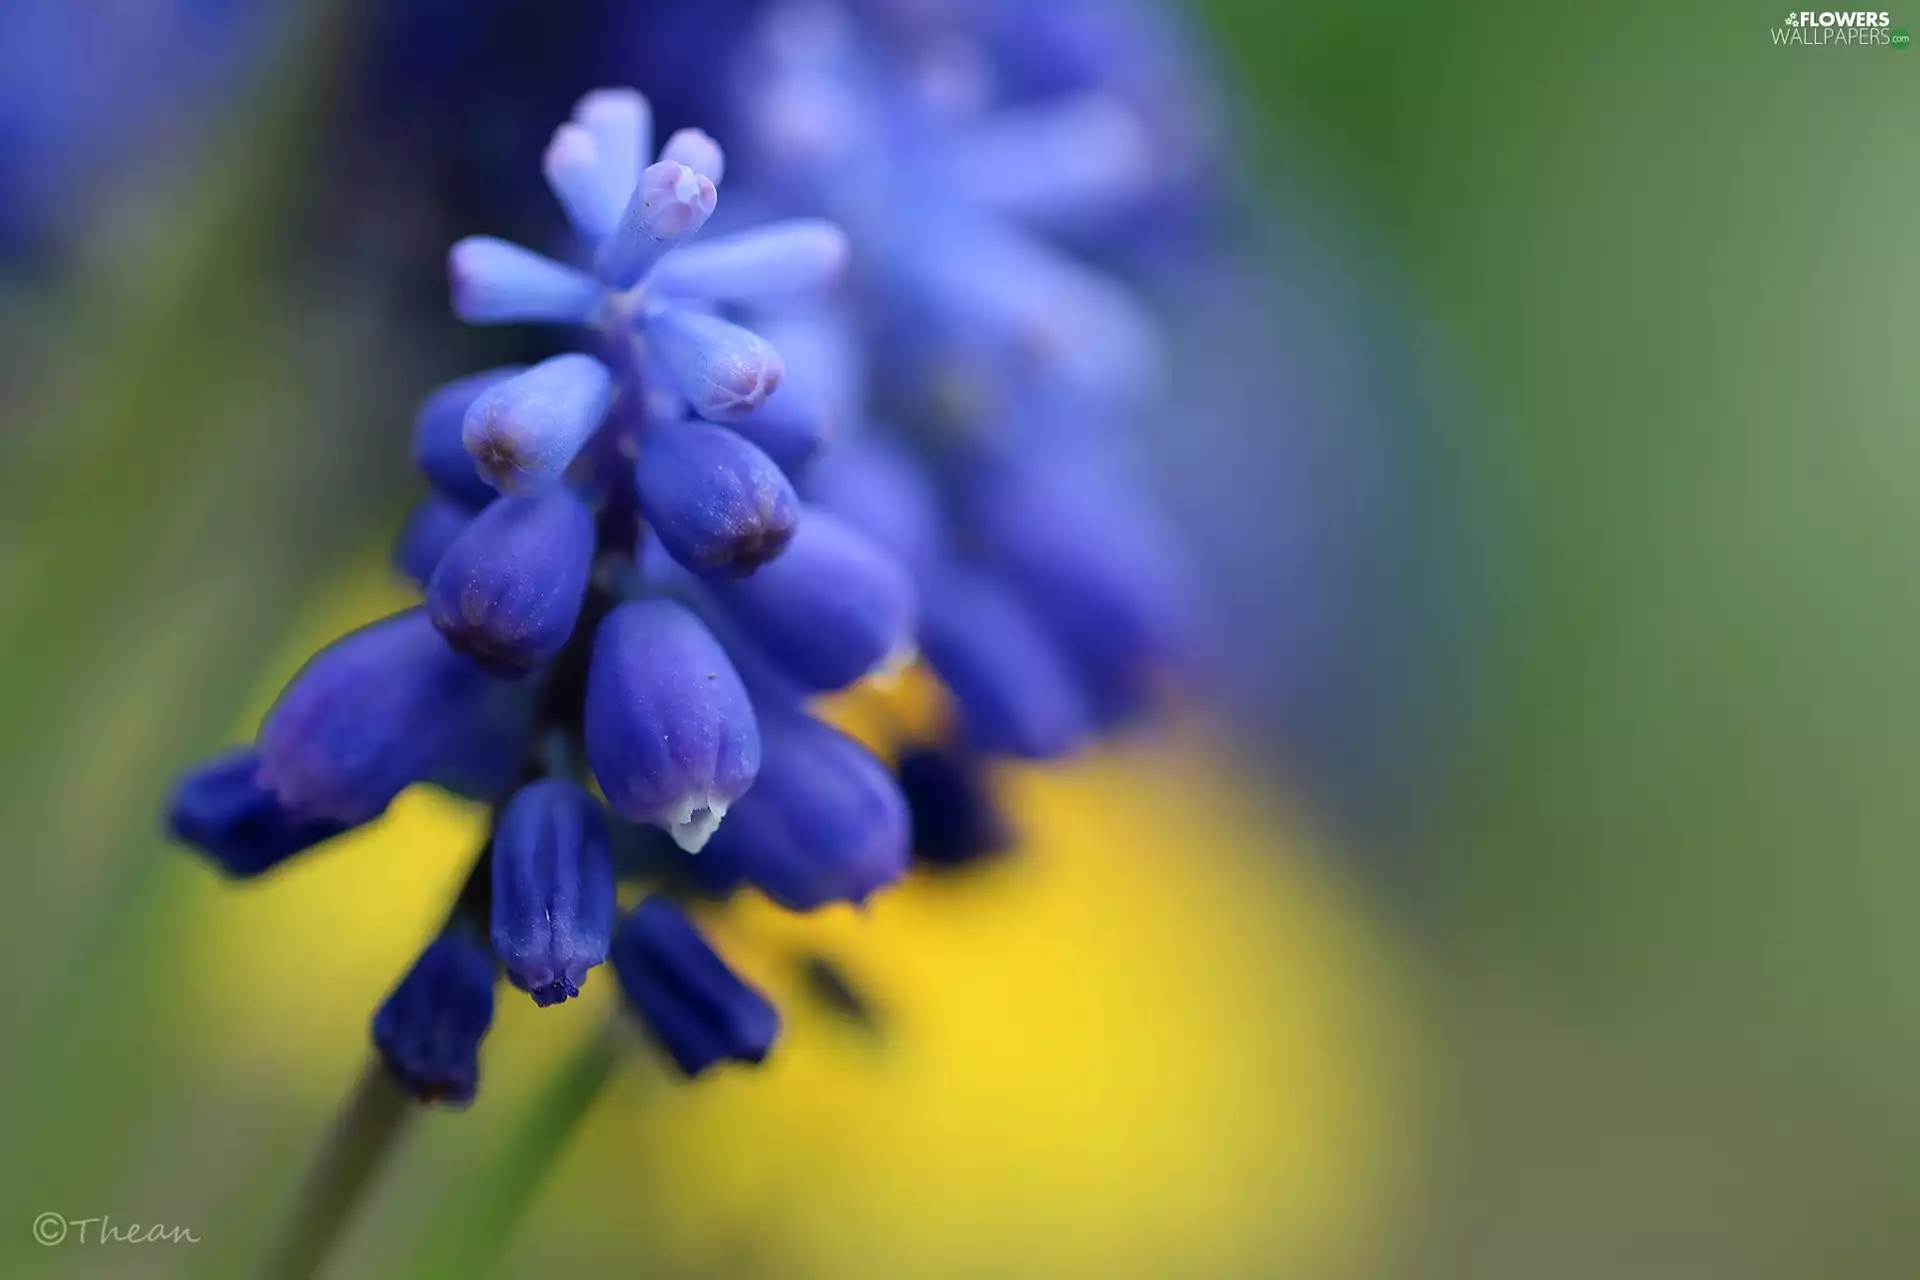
x: 641, y: 563
x: 592, y: 532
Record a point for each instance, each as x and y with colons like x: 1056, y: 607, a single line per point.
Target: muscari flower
x: 699, y: 1009
x: 429, y: 1030
x: 222, y: 809
x: 545, y: 649
x: 624, y: 528
x: 508, y: 590
x: 553, y: 889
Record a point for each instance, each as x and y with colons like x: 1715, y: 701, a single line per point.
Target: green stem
x: 371, y: 1121
x: 479, y: 1215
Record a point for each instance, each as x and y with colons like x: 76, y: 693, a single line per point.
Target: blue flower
x: 835, y: 608
x: 700, y: 1011
x: 825, y: 822
x: 553, y: 889
x: 429, y: 1030
x: 961, y: 145
x: 719, y: 505
x: 366, y: 718
x: 433, y: 525
x: 670, y: 730
x: 509, y: 589
x: 525, y: 431
x: 439, y: 446
x: 221, y: 809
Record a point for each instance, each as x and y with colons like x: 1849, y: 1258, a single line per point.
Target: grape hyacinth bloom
x: 222, y: 809
x: 508, y: 590
x: 429, y: 1030
x: 365, y: 719
x: 551, y: 653
x: 826, y: 821
x: 698, y: 1009
x: 643, y: 558
x: 553, y: 889
x: 669, y: 726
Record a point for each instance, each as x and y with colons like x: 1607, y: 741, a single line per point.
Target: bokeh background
x: 1547, y: 906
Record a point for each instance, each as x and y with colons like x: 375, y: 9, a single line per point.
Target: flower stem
x: 480, y: 1214
x: 371, y: 1122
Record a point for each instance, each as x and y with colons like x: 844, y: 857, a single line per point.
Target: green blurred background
x: 1682, y: 905
x: 1662, y: 925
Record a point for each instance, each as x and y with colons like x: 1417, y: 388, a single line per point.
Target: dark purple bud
x: 429, y: 1030
x: 220, y: 810
x: 955, y: 821
x: 696, y: 1007
x: 553, y: 890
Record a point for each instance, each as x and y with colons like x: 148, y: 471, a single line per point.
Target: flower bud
x: 671, y: 203
x: 955, y: 821
x: 221, y: 810
x: 719, y: 506
x: 524, y: 432
x: 1089, y: 561
x: 1017, y: 693
x: 723, y: 371
x: 509, y: 589
x: 429, y: 1030
x: 438, y: 449
x: 695, y: 149
x: 434, y: 524
x: 885, y: 493
x: 553, y: 889
x: 825, y: 821
x: 698, y: 1008
x: 368, y: 716
x: 669, y: 728
x: 495, y: 282
x: 784, y: 260
x: 831, y: 609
